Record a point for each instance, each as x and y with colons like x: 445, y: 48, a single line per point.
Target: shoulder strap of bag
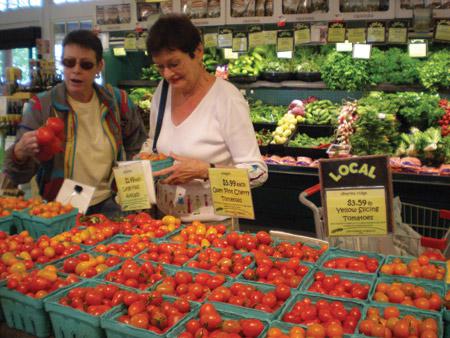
x: 161, y: 109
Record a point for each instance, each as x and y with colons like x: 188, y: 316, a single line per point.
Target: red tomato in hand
x: 44, y: 135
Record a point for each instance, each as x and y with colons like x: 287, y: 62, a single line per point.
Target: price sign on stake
x: 231, y: 195
x: 357, y: 196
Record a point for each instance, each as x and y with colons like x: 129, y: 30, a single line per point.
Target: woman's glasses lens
x: 70, y: 63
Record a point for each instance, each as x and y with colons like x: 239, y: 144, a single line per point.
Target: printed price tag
x: 231, y: 193
x: 240, y: 42
x: 355, y: 35
x: 443, y: 31
x: 210, y: 40
x: 270, y: 37
x: 336, y: 34
x: 376, y: 34
x: 132, y: 185
x: 356, y: 212
x: 302, y: 36
x: 130, y: 42
x: 285, y: 41
x: 256, y: 39
x: 225, y: 38
x: 397, y: 35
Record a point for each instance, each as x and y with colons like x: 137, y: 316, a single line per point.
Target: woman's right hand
x: 27, y: 146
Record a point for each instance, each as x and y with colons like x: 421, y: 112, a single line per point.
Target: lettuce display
x: 435, y: 73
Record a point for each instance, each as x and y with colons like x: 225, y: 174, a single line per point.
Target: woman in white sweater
x: 205, y: 123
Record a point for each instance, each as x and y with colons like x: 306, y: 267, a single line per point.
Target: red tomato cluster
x: 389, y: 323
x: 149, y: 311
x: 444, y: 122
x: 277, y: 272
x: 143, y: 224
x: 297, y: 250
x: 50, y: 138
x: 246, y: 295
x: 324, y: 313
x: 47, y: 250
x: 407, y: 294
x: 336, y: 286
x: 39, y: 283
x: 136, y: 276
x: 87, y: 265
x: 9, y: 204
x: 417, y: 268
x: 94, y: 300
x: 221, y: 261
x: 187, y: 286
x: 362, y: 264
x: 211, y: 324
x: 127, y: 249
x: 169, y: 253
x: 198, y: 233
x: 245, y: 242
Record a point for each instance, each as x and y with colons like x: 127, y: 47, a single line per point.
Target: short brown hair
x: 172, y: 32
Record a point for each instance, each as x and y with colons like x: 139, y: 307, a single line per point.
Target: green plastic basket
x: 407, y: 259
x: 232, y: 314
x: 403, y: 312
x: 116, y: 329
x: 336, y: 253
x: 249, y: 312
x: 8, y: 225
x: 38, y: 226
x: 311, y: 270
x: 161, y: 164
x: 26, y: 313
x: 440, y: 290
x: 348, y: 304
x: 446, y: 319
x: 353, y: 277
x: 313, y: 246
x: 71, y: 323
x: 116, y: 239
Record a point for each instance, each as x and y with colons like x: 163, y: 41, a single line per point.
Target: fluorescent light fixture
x: 229, y: 54
x: 344, y: 46
x: 285, y: 55
x: 362, y: 51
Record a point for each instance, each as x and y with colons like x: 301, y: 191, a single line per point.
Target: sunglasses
x: 70, y: 63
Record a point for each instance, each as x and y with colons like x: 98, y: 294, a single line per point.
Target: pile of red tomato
x: 363, y: 264
x: 169, y: 253
x: 334, y: 285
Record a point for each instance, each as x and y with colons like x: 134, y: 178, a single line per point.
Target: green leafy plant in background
x: 435, y: 73
x: 276, y: 65
x: 341, y: 71
x: 307, y: 60
x: 151, y: 73
x: 212, y: 58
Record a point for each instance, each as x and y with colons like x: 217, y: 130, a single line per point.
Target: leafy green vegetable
x: 305, y: 141
x: 212, y: 58
x: 142, y: 97
x: 151, y: 73
x: 277, y: 65
x: 263, y: 137
x: 435, y: 72
x: 260, y: 112
x: 341, y: 71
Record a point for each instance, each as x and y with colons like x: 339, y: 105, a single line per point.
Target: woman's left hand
x: 184, y: 170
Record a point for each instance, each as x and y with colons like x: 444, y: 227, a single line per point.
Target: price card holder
x: 76, y: 193
x: 302, y: 34
x: 418, y: 48
x: 442, y: 31
x: 376, y: 32
x: 362, y: 51
x: 256, y: 36
x: 240, y: 42
x: 356, y: 35
x: 270, y: 37
x: 210, y: 40
x: 141, y: 43
x: 398, y: 32
x: 336, y: 32
x: 130, y: 42
x: 285, y: 41
x: 225, y: 38
x: 357, y: 196
x: 231, y: 195
x: 135, y: 185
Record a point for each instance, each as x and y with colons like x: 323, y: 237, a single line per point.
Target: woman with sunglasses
x: 101, y: 127
x: 205, y: 122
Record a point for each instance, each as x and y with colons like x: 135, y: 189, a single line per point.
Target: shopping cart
x: 417, y: 229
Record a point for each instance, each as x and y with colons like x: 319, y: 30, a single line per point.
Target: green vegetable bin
x: 26, y: 313
x: 336, y: 253
x: 116, y: 329
x: 353, y: 277
x: 433, y: 287
x: 7, y: 224
x: 232, y: 314
x: 249, y: 312
x: 38, y: 226
x: 403, y: 312
x: 407, y: 259
x: 68, y: 322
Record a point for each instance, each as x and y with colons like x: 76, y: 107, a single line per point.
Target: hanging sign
x: 376, y: 32
x: 336, y: 32
x: 231, y: 195
x: 302, y: 33
x: 130, y: 42
x: 225, y: 38
x: 240, y: 42
x: 285, y: 41
x: 135, y: 185
x: 270, y: 37
x: 356, y: 35
x: 357, y: 196
x: 442, y: 30
x: 256, y: 36
x: 210, y: 40
x: 398, y: 32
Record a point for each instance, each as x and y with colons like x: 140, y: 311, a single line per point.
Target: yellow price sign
x: 336, y: 34
x: 397, y: 35
x: 210, y: 40
x: 356, y: 212
x: 442, y: 32
x: 355, y: 35
x: 132, y: 187
x: 231, y: 195
x: 302, y: 36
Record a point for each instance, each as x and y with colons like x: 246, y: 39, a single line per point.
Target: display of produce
x: 260, y: 112
x: 246, y: 65
x: 142, y: 97
x: 346, y: 120
x: 305, y: 141
x: 151, y: 73
x: 434, y: 73
x: 88, y: 265
x: 263, y: 137
x: 198, y: 233
x: 421, y: 267
x: 285, y: 127
x: 169, y: 253
x: 212, y: 58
